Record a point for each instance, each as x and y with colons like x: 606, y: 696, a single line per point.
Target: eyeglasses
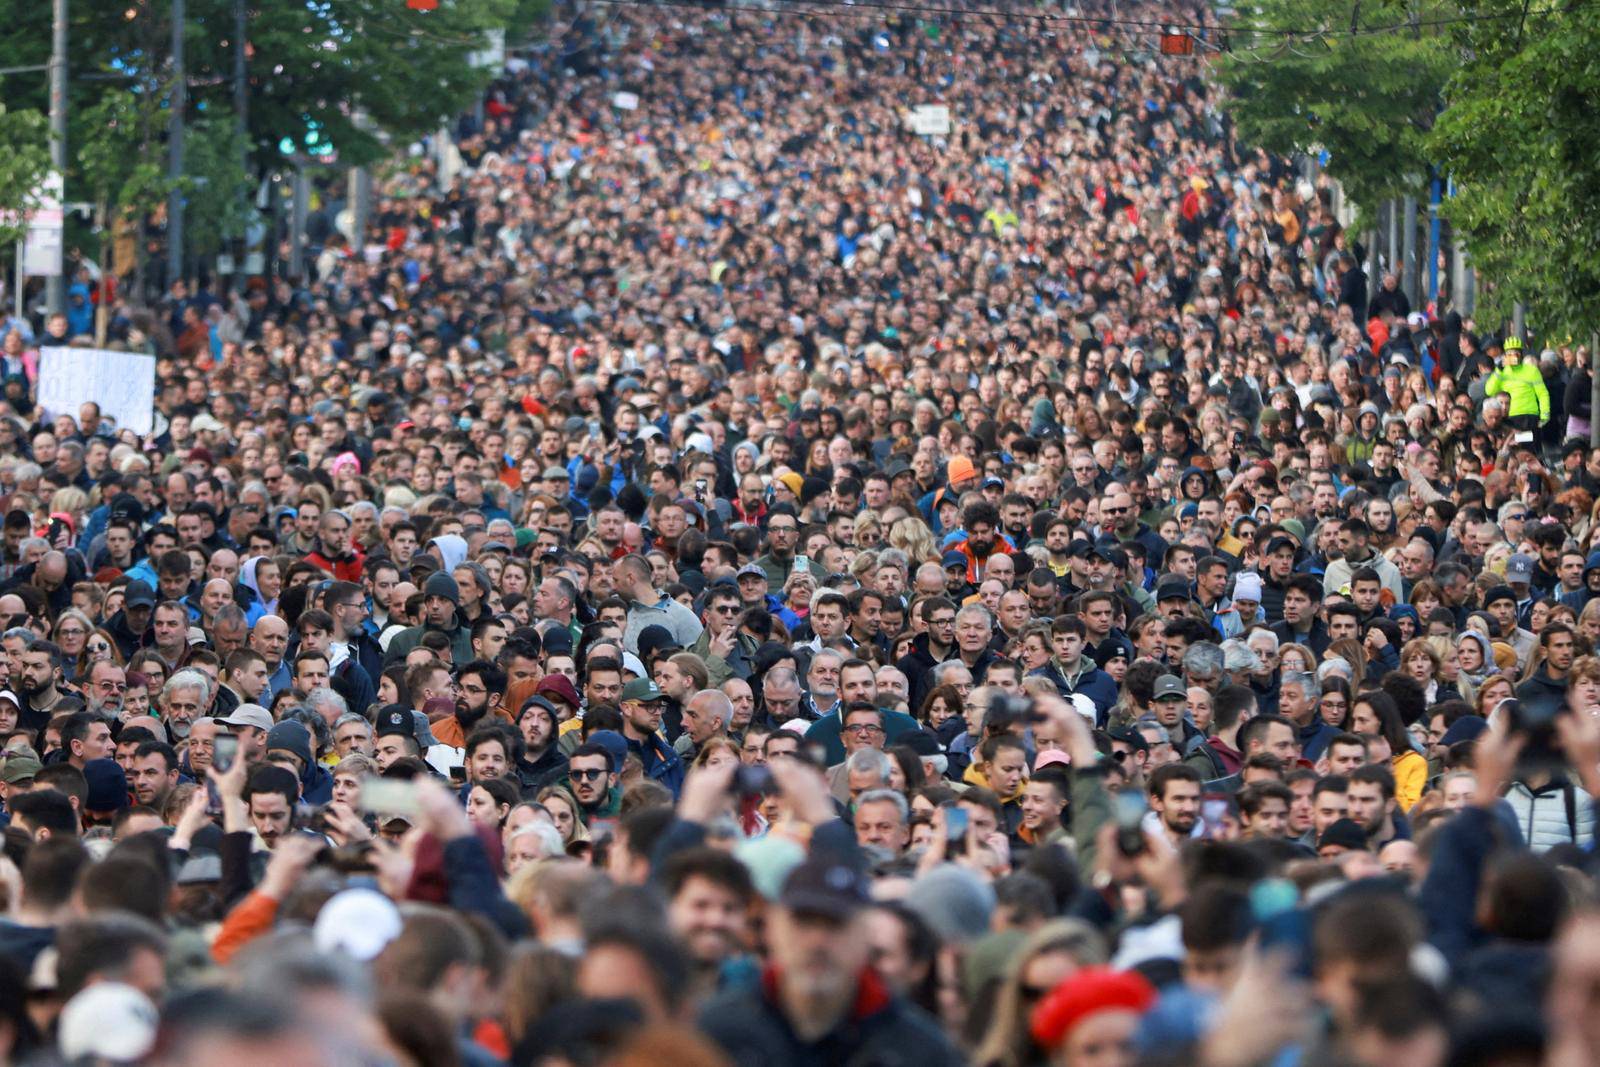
x: 859, y: 729
x: 782, y: 529
x: 71, y: 631
x: 585, y: 774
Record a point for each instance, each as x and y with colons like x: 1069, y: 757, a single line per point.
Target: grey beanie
x: 954, y: 901
x: 440, y: 583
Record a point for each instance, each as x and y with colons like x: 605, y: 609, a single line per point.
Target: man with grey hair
x: 352, y: 735
x: 327, y: 704
x: 865, y: 770
x: 1298, y: 694
x: 706, y: 714
x: 882, y: 820
x: 974, y: 630
x: 780, y: 695
x: 1203, y: 664
x: 185, y: 695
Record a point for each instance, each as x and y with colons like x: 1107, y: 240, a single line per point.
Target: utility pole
x: 1408, y: 251
x: 1594, y: 389
x: 175, y: 149
x: 56, y: 284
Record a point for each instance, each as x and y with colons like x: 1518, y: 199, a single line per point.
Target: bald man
x: 270, y: 637
x: 52, y: 575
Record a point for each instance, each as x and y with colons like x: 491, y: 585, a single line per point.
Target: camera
x: 751, y: 781
x: 1006, y: 709
x: 1536, y: 720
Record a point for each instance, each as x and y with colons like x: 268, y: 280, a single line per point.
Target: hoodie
x: 452, y: 550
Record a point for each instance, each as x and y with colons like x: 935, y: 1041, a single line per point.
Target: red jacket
x: 347, y: 569
x: 974, y: 568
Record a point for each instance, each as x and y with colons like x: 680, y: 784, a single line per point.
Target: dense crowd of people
x: 714, y: 576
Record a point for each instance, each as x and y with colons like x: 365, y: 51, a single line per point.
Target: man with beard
x: 1370, y: 801
x: 541, y: 762
x: 982, y: 524
x: 590, y: 771
x: 106, y: 684
x: 709, y: 893
x: 130, y: 627
x: 184, y: 696
x: 38, y: 685
x: 155, y: 774
x: 479, y: 687
x: 1175, y: 801
x: 823, y: 1001
x: 641, y: 705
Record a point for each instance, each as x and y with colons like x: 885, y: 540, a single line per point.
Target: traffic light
x: 313, y: 145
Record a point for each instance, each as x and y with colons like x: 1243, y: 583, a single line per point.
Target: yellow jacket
x: 1410, y: 778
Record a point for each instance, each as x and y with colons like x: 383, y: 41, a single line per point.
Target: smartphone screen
x: 225, y: 749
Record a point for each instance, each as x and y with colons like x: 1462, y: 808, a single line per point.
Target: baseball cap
x: 139, y: 594
x: 953, y: 559
x: 641, y: 689
x: 750, y: 570
x: 396, y: 720
x: 1519, y: 569
x: 20, y: 767
x: 358, y: 922
x: 1169, y: 685
x: 1174, y: 588
x: 108, y: 1021
x: 250, y: 715
x: 826, y: 887
x: 616, y: 747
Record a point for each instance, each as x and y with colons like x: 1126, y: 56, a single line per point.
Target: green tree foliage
x: 21, y: 168
x: 1521, y: 139
x: 353, y: 73
x: 343, y: 77
x: 1300, y: 80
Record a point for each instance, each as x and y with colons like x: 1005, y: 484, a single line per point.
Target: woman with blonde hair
x: 1450, y: 677
x: 1051, y: 954
x: 912, y: 536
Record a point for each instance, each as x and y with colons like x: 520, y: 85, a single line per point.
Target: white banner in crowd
x: 122, y: 383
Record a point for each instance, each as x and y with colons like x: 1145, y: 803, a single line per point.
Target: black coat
x: 882, y: 1030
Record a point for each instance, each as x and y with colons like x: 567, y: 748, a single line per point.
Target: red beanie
x: 1089, y: 992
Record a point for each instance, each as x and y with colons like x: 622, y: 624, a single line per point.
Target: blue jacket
x: 661, y: 763
x: 1093, y: 683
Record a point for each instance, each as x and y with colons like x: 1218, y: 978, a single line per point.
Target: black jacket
x: 882, y: 1030
x: 916, y: 665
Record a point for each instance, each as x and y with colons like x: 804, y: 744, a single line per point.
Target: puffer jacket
x: 1558, y: 813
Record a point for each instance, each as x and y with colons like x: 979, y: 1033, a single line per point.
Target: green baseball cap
x: 641, y: 690
x: 20, y: 767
